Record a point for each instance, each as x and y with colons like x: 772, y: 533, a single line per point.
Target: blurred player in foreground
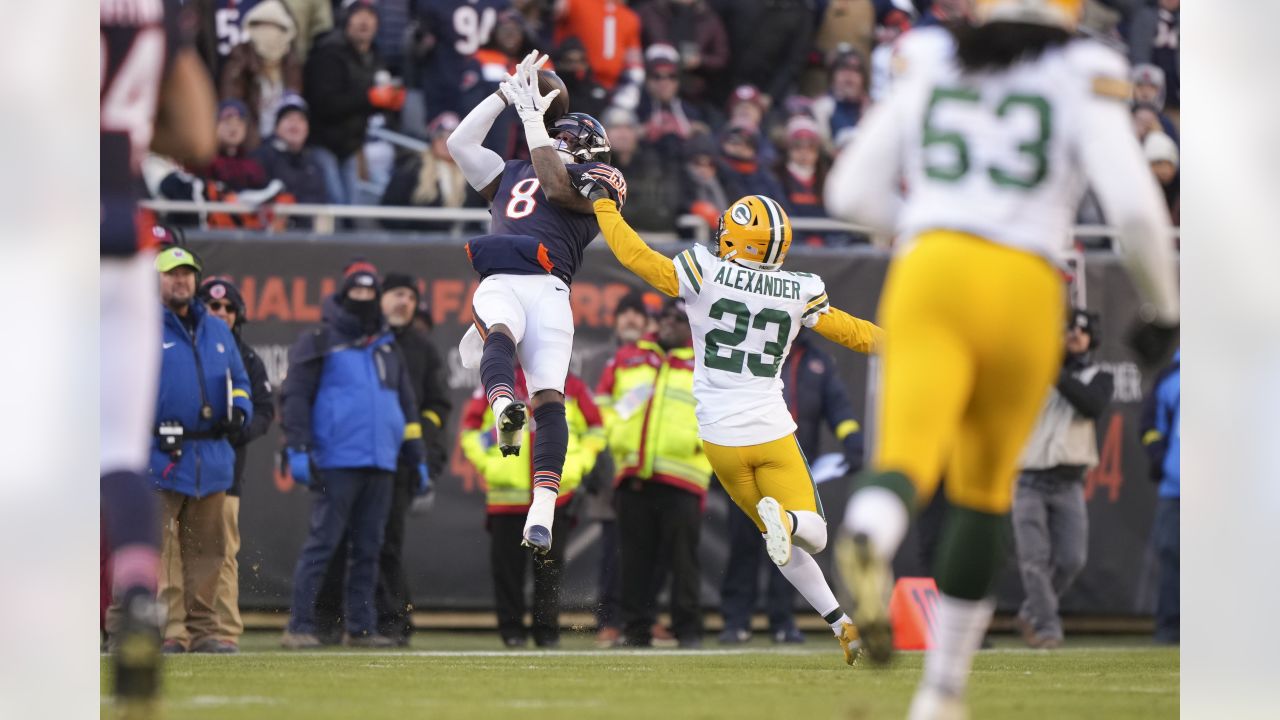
x: 995, y: 129
x: 155, y: 95
x: 745, y: 311
x: 540, y: 227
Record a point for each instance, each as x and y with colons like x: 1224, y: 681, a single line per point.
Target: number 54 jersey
x: 743, y: 323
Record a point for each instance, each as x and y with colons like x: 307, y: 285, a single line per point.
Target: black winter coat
x: 426, y: 376
x: 337, y: 79
x: 264, y: 411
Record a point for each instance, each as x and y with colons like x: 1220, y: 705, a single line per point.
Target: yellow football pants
x: 776, y: 469
x: 973, y: 341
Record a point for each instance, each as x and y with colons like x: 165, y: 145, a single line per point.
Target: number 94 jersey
x: 743, y: 323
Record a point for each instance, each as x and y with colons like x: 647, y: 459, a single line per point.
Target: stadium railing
x: 324, y: 219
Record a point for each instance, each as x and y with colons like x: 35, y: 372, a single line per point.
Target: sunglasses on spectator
x: 220, y: 305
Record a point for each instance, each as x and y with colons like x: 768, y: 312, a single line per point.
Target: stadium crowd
x: 731, y: 97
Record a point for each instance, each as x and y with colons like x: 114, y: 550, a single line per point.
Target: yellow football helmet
x: 756, y: 232
x: 1055, y: 13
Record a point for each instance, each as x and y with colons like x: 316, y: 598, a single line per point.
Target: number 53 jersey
x: 743, y: 323
x: 998, y: 154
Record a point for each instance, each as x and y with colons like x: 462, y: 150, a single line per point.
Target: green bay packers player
x: 745, y: 311
x: 994, y: 130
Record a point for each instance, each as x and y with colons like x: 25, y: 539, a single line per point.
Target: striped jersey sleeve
x: 689, y: 269
x: 816, y: 302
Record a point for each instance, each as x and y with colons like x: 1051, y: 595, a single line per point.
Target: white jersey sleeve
x: 1121, y: 179
x: 816, y: 304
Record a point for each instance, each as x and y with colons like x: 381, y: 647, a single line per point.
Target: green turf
x: 451, y: 675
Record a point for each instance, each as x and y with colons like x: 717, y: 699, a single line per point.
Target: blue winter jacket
x: 348, y: 398
x: 193, y: 374
x: 1161, y: 429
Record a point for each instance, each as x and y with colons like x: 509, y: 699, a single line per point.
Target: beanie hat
x: 292, y: 102
x: 234, y: 104
x: 633, y: 301
x: 360, y: 273
x: 221, y: 287
x: 393, y: 280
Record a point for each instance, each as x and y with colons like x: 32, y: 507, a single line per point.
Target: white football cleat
x: 933, y: 704
x: 777, y: 526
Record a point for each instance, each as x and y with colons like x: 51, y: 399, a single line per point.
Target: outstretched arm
x: 653, y: 267
x: 854, y: 333
x: 481, y: 166
x: 532, y: 105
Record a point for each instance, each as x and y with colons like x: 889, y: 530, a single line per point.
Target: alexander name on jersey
x: 761, y: 283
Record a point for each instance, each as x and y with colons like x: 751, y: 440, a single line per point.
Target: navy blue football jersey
x: 530, y: 235
x: 139, y: 39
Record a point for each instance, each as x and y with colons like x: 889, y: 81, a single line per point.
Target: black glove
x: 233, y: 426
x: 1152, y: 341
x: 594, y: 190
x: 852, y: 444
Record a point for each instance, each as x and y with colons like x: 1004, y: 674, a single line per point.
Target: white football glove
x: 530, y: 104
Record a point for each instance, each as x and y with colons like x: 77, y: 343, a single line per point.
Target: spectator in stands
x: 349, y: 414
x: 815, y: 395
x: 703, y: 190
x: 395, y: 18
x: 233, y: 166
x: 452, y: 30
x: 312, y: 18
x: 1161, y: 428
x: 286, y: 157
x: 769, y: 60
x: 262, y: 70
x: 698, y: 35
x: 843, y: 23
x: 662, y: 476
x: 1162, y: 153
x: 539, y: 17
x: 633, y: 318
x: 1165, y: 51
x: 654, y: 200
x: 846, y: 100
x: 668, y: 120
x: 802, y: 174
x: 510, y: 42
x: 1148, y: 90
x: 341, y: 89
x: 204, y: 399
x: 1146, y: 120
x: 741, y: 171
x: 746, y: 109
x: 508, y: 492
x: 430, y: 178
x: 610, y: 31
x: 585, y: 93
x: 223, y: 300
x: 409, y: 494
x: 943, y: 12
x: 1050, y: 518
x: 893, y: 19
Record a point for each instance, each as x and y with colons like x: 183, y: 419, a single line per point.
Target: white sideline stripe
x: 816, y: 649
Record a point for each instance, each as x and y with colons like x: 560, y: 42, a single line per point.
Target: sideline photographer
x: 204, y: 397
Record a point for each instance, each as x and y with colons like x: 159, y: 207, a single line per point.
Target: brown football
x: 548, y: 81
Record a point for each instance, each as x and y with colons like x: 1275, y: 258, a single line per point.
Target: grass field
x: 458, y: 675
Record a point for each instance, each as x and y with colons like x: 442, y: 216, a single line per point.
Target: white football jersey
x: 743, y: 322
x: 997, y: 154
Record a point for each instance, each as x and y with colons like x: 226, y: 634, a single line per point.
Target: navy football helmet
x: 582, y: 136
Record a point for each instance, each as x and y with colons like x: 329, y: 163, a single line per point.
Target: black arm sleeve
x: 264, y: 403
x: 1089, y: 400
x: 298, y: 392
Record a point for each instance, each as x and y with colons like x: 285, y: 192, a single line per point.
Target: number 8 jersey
x: 743, y: 322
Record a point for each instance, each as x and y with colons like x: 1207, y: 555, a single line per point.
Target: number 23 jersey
x: 743, y: 323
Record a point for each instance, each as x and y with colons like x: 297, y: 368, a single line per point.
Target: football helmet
x: 580, y: 136
x: 1055, y: 13
x: 754, y: 232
